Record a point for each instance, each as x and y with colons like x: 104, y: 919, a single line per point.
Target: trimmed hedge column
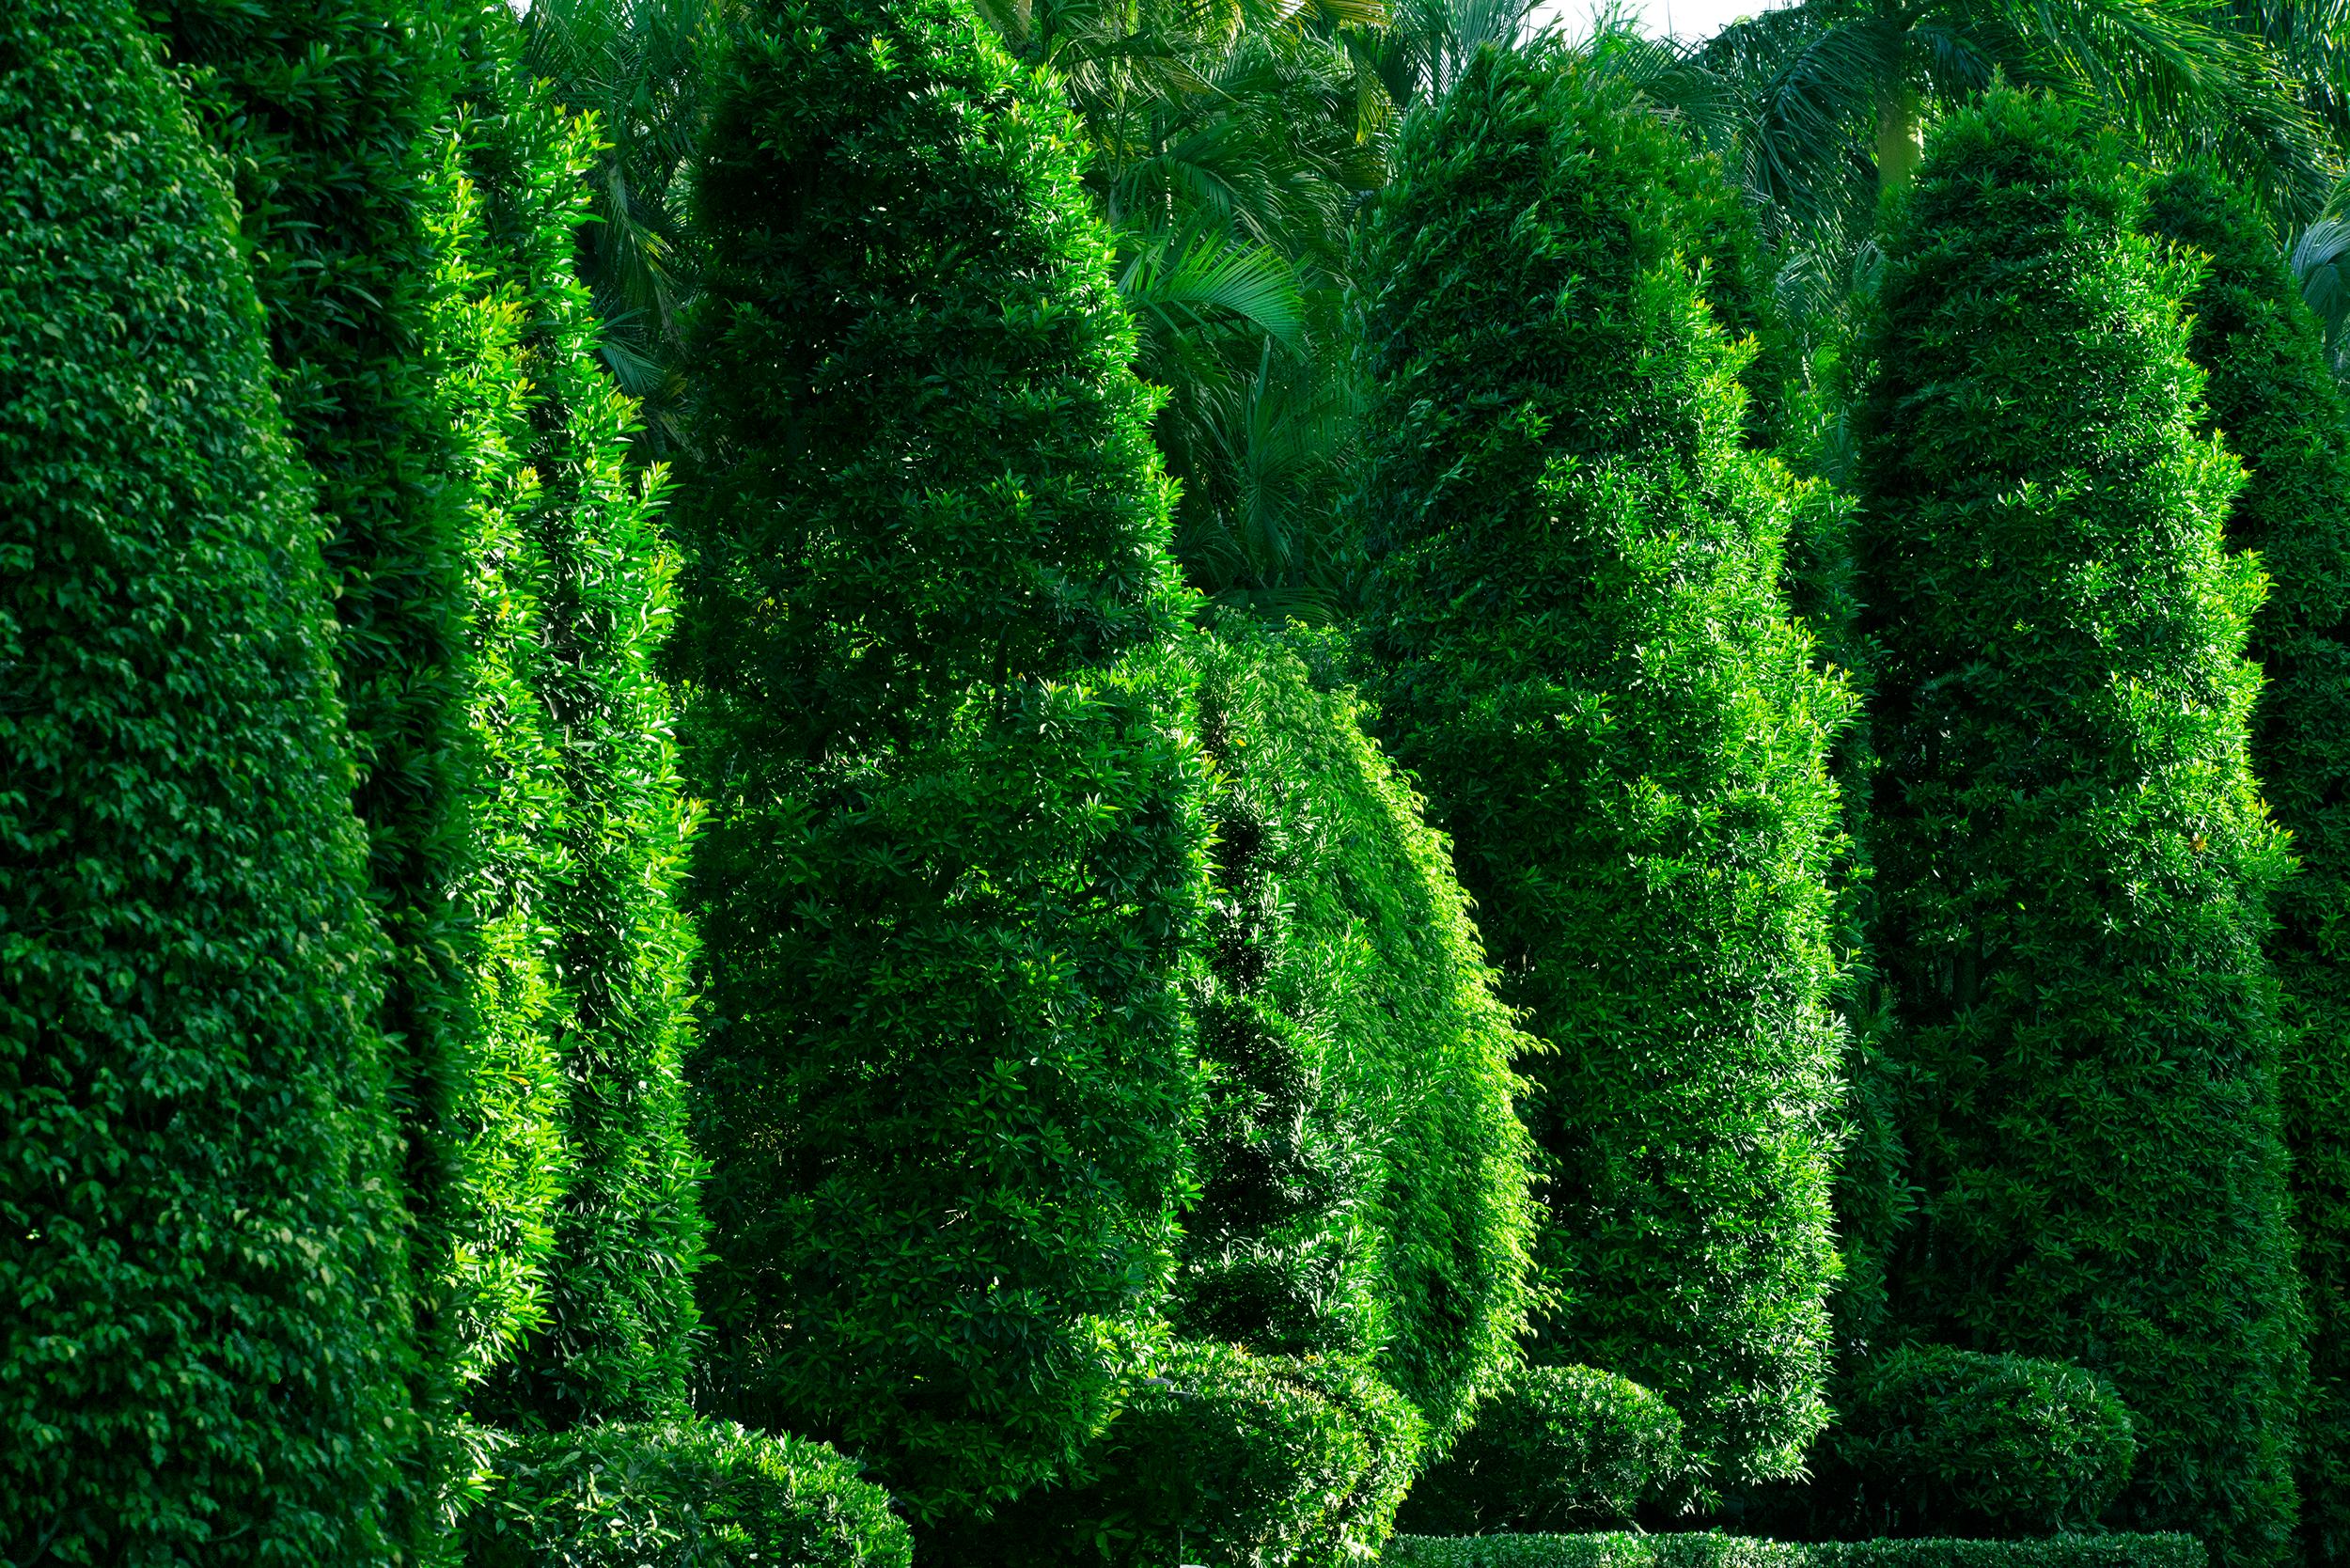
x: 1576, y: 642
x: 2272, y: 396
x: 957, y: 833
x: 2072, y: 859
x: 205, y: 1330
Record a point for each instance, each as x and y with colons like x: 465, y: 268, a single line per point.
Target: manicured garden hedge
x: 2073, y: 860
x: 1561, y: 1447
x: 1575, y: 641
x: 1732, y: 1551
x: 2277, y: 406
x: 206, y: 1327
x: 956, y: 848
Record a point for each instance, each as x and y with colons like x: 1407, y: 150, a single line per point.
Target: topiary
x: 956, y: 838
x: 206, y: 1333
x: 1576, y: 642
x: 2071, y: 859
x: 1222, y: 1458
x: 2272, y: 394
x: 1363, y: 1174
x: 1562, y: 1449
x: 629, y: 1496
x: 615, y: 1335
x: 1933, y: 1440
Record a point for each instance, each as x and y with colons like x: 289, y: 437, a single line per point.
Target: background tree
x: 956, y: 841
x: 2072, y: 859
x: 2272, y: 396
x: 207, y: 1327
x: 1577, y: 643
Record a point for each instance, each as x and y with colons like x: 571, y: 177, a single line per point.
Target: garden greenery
x: 956, y: 843
x: 203, y: 1355
x: 1562, y: 1448
x: 1575, y: 641
x: 2072, y: 856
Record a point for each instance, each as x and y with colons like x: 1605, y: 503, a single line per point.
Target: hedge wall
x: 2271, y: 393
x: 1732, y: 1551
x: 1576, y: 642
x: 957, y: 833
x: 2073, y: 860
x: 201, y: 1357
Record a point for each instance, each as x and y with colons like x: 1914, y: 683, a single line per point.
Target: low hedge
x: 1564, y: 1447
x: 1711, y: 1550
x: 708, y: 1494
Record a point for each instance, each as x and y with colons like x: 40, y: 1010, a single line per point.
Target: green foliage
x: 2072, y: 859
x: 1363, y: 1175
x: 1562, y: 1447
x: 2270, y: 390
x: 613, y: 1337
x: 1575, y: 643
x: 1730, y: 1551
x: 201, y: 1357
x: 1930, y: 1440
x: 956, y: 838
x: 707, y: 1494
x: 1226, y: 1460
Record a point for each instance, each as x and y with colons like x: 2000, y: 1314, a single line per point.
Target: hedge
x: 1732, y: 1551
x: 1363, y: 1173
x: 614, y: 1338
x: 1561, y: 1447
x: 1575, y: 641
x: 2073, y: 861
x: 206, y: 1333
x: 956, y: 841
x: 2272, y: 394
x: 710, y: 1495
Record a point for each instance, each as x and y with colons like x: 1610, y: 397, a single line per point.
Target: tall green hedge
x: 2072, y: 859
x: 616, y: 1335
x: 202, y: 1354
x: 956, y: 838
x: 1576, y: 642
x: 2271, y: 394
x: 1363, y: 1174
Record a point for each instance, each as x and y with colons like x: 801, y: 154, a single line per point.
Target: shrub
x: 1930, y: 1440
x: 615, y: 1339
x: 2271, y: 393
x: 1730, y: 1551
x: 956, y: 837
x: 1575, y: 643
x: 1363, y: 1174
x: 2071, y: 858
x: 707, y: 1494
x: 1564, y: 1447
x: 1226, y: 1460
x: 202, y: 1354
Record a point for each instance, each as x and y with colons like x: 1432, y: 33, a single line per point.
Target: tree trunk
x: 1901, y: 141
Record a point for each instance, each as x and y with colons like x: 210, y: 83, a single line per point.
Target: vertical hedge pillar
x: 1576, y: 642
x: 956, y: 838
x: 205, y: 1332
x: 2074, y: 864
x: 2276, y: 403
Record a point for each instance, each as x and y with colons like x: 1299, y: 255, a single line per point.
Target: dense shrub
x: 1730, y: 1551
x: 1222, y: 1459
x: 709, y: 1494
x: 1930, y: 1440
x: 2072, y: 857
x: 956, y: 837
x: 202, y: 1354
x: 1577, y: 644
x: 614, y: 1338
x: 1563, y: 1448
x: 2271, y: 393
x: 1363, y: 1176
